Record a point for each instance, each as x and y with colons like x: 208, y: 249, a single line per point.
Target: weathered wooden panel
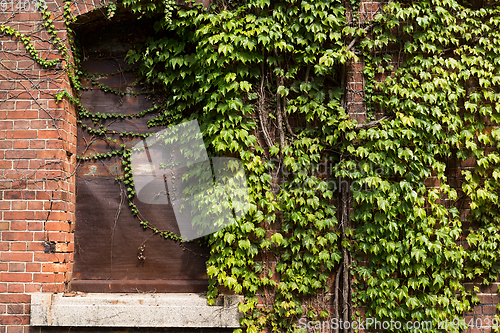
x: 113, y: 253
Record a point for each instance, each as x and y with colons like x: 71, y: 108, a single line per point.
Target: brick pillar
x: 355, y: 77
x: 355, y: 92
x: 37, y: 161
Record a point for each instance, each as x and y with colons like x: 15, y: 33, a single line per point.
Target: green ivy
x: 267, y: 81
x: 443, y: 98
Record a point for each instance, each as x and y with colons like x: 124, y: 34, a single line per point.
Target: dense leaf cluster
x: 270, y: 70
x: 441, y: 151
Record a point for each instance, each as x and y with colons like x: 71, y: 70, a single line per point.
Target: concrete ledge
x: 133, y: 310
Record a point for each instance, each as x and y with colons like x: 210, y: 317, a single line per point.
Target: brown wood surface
x: 108, y: 238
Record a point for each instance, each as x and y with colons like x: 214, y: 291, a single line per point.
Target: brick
x: 54, y: 185
x: 51, y: 288
x: 48, y: 267
x: 495, y: 299
x: 17, y: 267
x: 18, y: 246
x: 14, y: 320
x: 48, y: 134
x: 53, y: 257
x: 5, y: 144
x: 70, y: 238
x: 432, y: 182
x: 21, y: 144
x: 24, y: 105
x: 6, y: 124
x: 357, y: 67
x: 357, y: 86
x: 33, y: 287
x: 49, y: 55
x: 470, y: 162
x: 58, y: 205
x: 38, y: 124
x: 44, y: 278
x: 22, y: 92
x: 26, y: 195
x: 56, y: 226
x: 61, y: 216
x: 16, y: 154
x: 489, y: 309
x: 16, y: 256
x: 16, y: 329
x: 492, y: 288
x: 21, y: 124
x: 9, y: 64
x: 5, y: 165
x: 33, y: 267
x: 17, y: 236
x: 44, y: 257
x: 18, y: 205
x: 15, y: 288
x: 20, y: 164
x: 42, y: 215
x: 50, y: 154
x: 18, y: 185
x: 57, y: 267
x: 485, y: 298
x: 41, y: 236
x: 21, y: 134
x: 7, y: 85
x: 36, y: 246
x: 35, y: 226
x: 15, y: 277
x: 64, y: 267
x: 28, y: 114
x: 37, y: 144
x: 55, y: 144
x: 35, y: 205
x: 14, y: 298
x: 4, y: 226
x: 25, y: 64
x: 19, y: 215
x: 56, y: 236
x: 62, y: 247
x: 71, y: 247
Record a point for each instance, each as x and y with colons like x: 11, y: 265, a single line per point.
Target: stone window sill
x: 133, y: 310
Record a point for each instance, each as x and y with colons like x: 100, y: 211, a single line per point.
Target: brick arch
x: 80, y: 8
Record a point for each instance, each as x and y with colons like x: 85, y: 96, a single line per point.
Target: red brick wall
x: 484, y: 313
x: 37, y: 159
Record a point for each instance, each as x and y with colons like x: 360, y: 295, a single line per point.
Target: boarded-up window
x: 113, y: 253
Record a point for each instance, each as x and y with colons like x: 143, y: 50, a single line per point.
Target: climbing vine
x: 342, y: 216
x: 441, y: 145
x: 265, y: 84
